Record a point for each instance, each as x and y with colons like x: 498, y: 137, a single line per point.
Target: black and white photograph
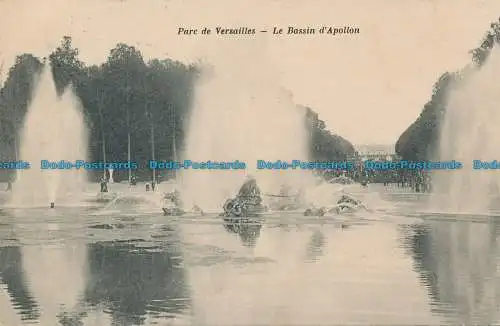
x: 273, y: 162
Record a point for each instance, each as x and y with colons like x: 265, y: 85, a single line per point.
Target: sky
x: 367, y: 87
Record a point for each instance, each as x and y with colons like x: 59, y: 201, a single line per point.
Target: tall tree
x: 66, y: 66
x: 15, y: 97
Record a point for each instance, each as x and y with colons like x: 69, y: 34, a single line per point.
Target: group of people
x: 133, y: 181
x: 151, y: 186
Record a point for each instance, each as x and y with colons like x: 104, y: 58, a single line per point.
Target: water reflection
x: 132, y: 281
x: 73, y: 283
x: 316, y: 245
x: 56, y: 274
x: 14, y: 278
x: 458, y: 263
x: 357, y: 277
x: 71, y: 319
x: 248, y: 231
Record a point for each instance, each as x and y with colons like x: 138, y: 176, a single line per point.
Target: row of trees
x: 325, y: 146
x: 420, y: 140
x: 127, y: 102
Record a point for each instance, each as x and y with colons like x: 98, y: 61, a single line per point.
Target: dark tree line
x: 326, y: 146
x: 420, y: 140
x: 125, y: 98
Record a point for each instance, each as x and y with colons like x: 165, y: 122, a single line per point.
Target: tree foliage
x: 420, y: 140
x: 126, y: 96
x: 15, y: 97
x: 325, y: 146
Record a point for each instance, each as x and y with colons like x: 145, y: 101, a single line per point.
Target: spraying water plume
x: 53, y: 130
x: 470, y: 132
x: 241, y: 113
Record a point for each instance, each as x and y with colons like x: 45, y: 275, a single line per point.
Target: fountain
x: 53, y: 130
x: 470, y: 132
x: 240, y: 113
x: 111, y: 180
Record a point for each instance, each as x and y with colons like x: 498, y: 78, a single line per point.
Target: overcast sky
x: 368, y: 88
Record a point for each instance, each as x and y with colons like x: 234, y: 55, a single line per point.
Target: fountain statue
x: 241, y: 113
x: 53, y: 130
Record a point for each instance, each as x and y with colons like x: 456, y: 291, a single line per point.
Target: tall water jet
x: 241, y: 113
x: 111, y: 180
x: 53, y: 130
x: 470, y: 132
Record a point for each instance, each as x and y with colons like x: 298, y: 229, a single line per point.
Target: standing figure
x: 104, y: 185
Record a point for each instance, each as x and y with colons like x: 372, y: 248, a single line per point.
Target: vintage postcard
x: 271, y: 162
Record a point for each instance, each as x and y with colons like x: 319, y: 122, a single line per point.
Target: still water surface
x: 132, y: 266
